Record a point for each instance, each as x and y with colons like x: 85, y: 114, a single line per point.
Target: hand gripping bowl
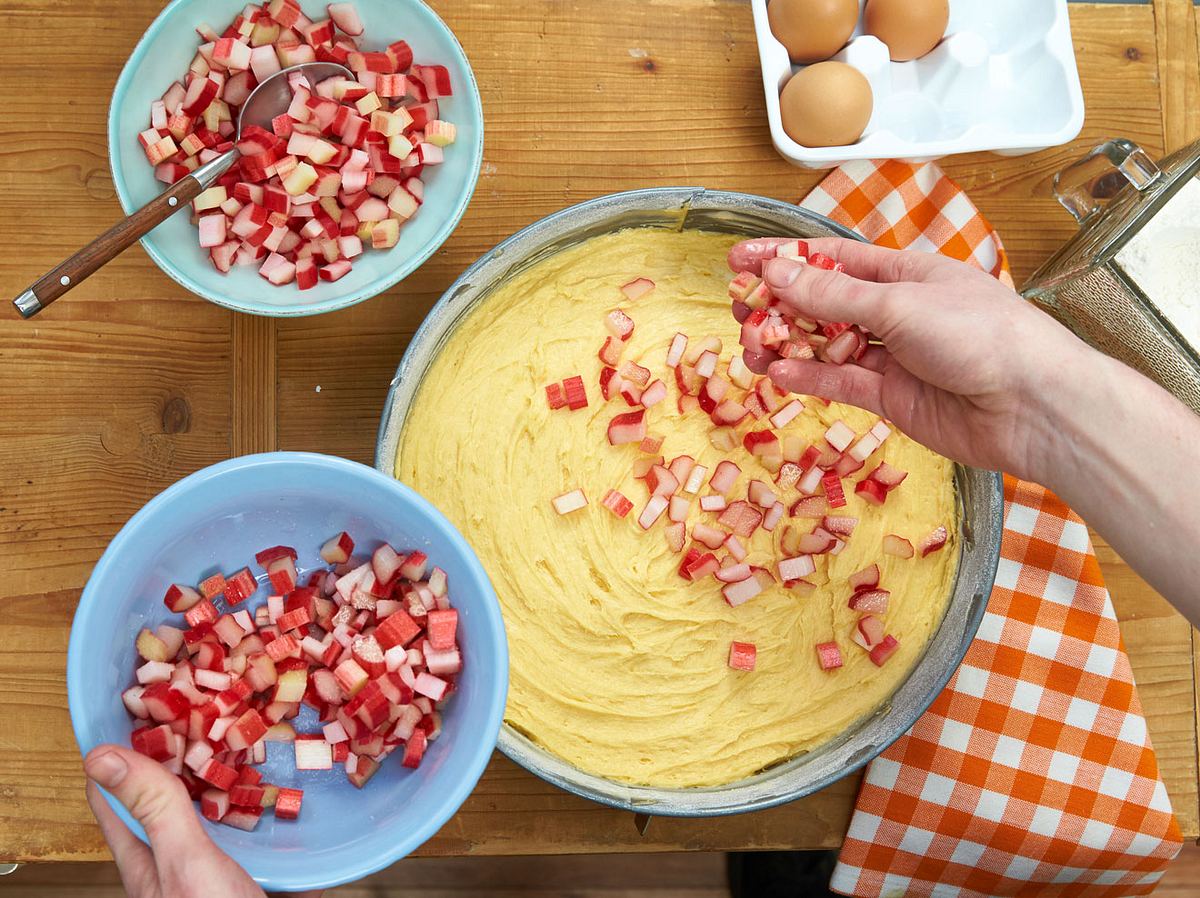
x: 216, y: 519
x: 162, y: 56
x: 979, y: 492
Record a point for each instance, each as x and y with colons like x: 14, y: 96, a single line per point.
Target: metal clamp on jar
x: 1114, y: 193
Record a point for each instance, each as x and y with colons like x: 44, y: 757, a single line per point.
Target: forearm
x: 1125, y: 455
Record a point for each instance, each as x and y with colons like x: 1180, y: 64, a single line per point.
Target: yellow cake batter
x: 618, y: 664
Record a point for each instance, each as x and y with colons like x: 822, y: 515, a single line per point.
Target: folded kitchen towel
x: 1032, y: 774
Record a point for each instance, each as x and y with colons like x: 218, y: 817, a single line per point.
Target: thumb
x: 155, y: 798
x: 822, y: 295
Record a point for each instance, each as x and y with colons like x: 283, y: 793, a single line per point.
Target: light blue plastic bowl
x: 163, y: 55
x: 216, y: 519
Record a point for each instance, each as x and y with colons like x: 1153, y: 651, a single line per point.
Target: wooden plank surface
x: 130, y: 383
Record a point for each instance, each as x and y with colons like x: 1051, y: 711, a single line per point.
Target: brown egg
x: 812, y: 30
x: 910, y: 28
x: 826, y: 105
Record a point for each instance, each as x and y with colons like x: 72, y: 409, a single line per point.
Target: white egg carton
x: 1003, y: 79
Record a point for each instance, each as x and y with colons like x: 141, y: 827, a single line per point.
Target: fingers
x: 865, y: 261
x: 133, y: 858
x: 749, y: 255
x: 850, y: 384
x: 155, y: 798
x: 759, y: 362
x: 869, y: 262
x: 829, y: 295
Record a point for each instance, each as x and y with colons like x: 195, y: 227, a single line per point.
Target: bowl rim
x: 456, y: 793
x: 271, y: 310
x: 656, y: 800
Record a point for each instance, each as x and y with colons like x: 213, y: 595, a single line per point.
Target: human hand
x: 967, y: 366
x: 181, y: 860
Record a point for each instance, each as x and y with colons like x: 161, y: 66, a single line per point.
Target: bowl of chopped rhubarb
x: 977, y: 494
x: 344, y: 195
x: 310, y: 646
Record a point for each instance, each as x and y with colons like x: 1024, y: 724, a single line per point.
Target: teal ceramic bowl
x: 216, y: 519
x: 163, y: 55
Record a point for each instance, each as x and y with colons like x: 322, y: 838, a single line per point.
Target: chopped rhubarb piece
x: 734, y: 573
x: 617, y: 503
x: 742, y: 655
x: 724, y: 477
x: 288, y: 801
x: 787, y: 414
x: 627, y: 428
x: 887, y: 647
x: 816, y: 543
x: 773, y: 516
x: 709, y: 536
x: 690, y: 557
x: 555, y: 397
x: 742, y: 518
x: 695, y: 478
x: 723, y: 439
x: 934, y: 541
x: 661, y: 482
x: 703, y: 566
x: 676, y: 350
x: 213, y: 587
x: 881, y: 431
x: 761, y: 494
x: 839, y: 436
x: 636, y: 374
x: 810, y: 507
x: 610, y: 352
x: 839, y: 526
x: 834, y: 494
x: 870, y: 601
x: 741, y: 592
x: 829, y: 656
x: 676, y: 536
x: 868, y: 632
x: 653, y: 511
x: 313, y: 754
x: 863, y: 448
x: 761, y: 443
x: 338, y: 549
x: 713, y: 503
x: 871, y: 491
x: 679, y: 509
x: 867, y: 578
x: 240, y: 586
x: 637, y: 288
x: 888, y: 476
x: 180, y: 597
x: 897, y: 546
x: 414, y: 566
x: 654, y: 394
x: 575, y: 393
x: 735, y: 548
x: 796, y: 568
x: 569, y: 502
x: 619, y: 324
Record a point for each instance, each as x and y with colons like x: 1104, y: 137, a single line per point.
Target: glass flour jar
x: 1129, y: 281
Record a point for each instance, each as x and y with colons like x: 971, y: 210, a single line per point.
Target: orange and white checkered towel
x: 1032, y: 774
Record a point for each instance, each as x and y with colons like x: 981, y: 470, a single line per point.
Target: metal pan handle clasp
x: 1086, y: 185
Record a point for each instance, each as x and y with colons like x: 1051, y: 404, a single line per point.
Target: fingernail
x: 782, y: 272
x: 107, y: 769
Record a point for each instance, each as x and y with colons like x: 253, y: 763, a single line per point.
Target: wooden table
x: 130, y: 383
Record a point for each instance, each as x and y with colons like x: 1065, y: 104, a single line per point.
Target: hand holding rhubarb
x: 181, y: 860
x: 961, y: 363
x: 968, y: 368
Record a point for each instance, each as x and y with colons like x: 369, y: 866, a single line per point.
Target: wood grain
x: 130, y: 383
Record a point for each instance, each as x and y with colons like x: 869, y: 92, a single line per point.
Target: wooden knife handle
x: 107, y: 247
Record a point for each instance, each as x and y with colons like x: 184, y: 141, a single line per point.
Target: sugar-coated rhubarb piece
x: 742, y: 655
x: 313, y: 754
x: 870, y: 601
x: 569, y: 502
x: 829, y: 656
x: 934, y: 541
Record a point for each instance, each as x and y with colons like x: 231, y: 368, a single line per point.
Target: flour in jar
x: 1163, y: 259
